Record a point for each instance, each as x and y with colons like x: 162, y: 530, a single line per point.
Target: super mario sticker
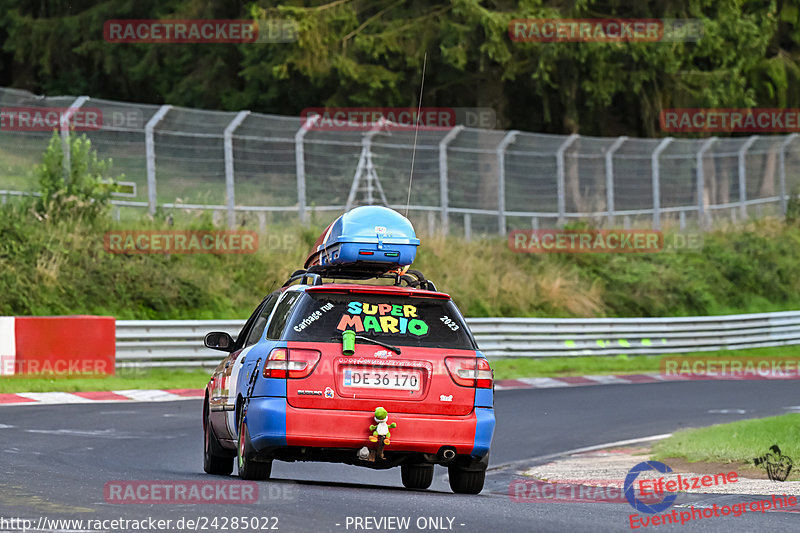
x: 383, y: 318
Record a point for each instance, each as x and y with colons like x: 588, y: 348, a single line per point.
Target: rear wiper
x: 349, y: 337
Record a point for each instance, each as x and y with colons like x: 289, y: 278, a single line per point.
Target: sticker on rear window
x: 449, y: 322
x: 390, y: 319
x: 310, y: 319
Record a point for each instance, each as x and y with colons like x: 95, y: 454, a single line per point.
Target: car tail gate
x: 413, y: 383
x: 435, y: 371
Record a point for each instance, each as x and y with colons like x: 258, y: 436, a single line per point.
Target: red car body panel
x: 350, y: 429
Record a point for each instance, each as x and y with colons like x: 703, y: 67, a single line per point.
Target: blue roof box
x: 364, y: 242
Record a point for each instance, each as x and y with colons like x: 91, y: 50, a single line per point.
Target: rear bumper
x: 274, y: 424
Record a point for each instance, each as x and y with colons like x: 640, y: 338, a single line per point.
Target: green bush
x: 84, y: 193
x: 61, y: 267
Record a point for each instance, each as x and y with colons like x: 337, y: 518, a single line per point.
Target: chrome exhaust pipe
x: 448, y: 454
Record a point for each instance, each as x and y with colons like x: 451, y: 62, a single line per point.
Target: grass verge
x: 150, y: 378
x: 620, y: 364
x: 736, y: 442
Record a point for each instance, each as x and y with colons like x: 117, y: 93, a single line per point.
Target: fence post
x: 66, y: 167
x: 657, y: 181
x: 501, y: 180
x: 443, y: 186
x: 701, y: 182
x: 300, y: 165
x: 431, y: 223
x: 561, y: 178
x: 782, y: 176
x: 743, y: 176
x: 610, y: 178
x: 150, y: 155
x: 467, y: 227
x: 229, y: 183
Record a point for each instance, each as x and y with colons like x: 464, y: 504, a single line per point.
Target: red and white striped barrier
x: 57, y: 345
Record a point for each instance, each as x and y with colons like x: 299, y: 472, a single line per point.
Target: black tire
x: 215, y: 460
x: 249, y: 469
x: 416, y: 476
x: 466, y: 481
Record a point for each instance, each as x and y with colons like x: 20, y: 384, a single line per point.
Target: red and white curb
x: 136, y: 395
x: 621, y: 379
x: 170, y: 395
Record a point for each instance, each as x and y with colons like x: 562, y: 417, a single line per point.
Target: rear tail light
x: 296, y: 363
x: 470, y: 371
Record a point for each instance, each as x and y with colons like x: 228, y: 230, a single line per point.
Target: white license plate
x: 388, y: 379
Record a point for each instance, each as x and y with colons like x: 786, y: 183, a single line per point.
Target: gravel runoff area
x: 608, y: 468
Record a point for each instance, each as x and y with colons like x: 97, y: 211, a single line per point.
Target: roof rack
x: 313, y: 276
x: 305, y: 277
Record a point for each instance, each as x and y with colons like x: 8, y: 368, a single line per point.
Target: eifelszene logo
x: 630, y: 494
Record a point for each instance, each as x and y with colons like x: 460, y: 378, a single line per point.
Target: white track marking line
x: 53, y: 397
x: 661, y: 377
x: 607, y: 380
x: 544, y: 383
x: 149, y: 395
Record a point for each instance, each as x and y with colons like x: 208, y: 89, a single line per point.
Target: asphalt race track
x: 57, y: 459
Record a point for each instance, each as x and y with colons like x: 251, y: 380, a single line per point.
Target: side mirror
x: 219, y: 340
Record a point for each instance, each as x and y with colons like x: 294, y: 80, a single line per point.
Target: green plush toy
x: 382, y: 428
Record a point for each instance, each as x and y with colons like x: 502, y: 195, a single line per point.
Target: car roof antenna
x: 416, y: 131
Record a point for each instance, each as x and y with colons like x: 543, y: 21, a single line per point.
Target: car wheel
x: 466, y: 481
x: 215, y: 461
x: 416, y: 476
x: 249, y: 469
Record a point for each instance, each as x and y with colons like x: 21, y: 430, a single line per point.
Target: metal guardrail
x: 169, y: 342
x: 180, y: 342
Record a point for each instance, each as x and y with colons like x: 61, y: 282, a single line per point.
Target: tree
x: 370, y: 52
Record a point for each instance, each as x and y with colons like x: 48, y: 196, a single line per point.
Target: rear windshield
x: 396, y: 320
